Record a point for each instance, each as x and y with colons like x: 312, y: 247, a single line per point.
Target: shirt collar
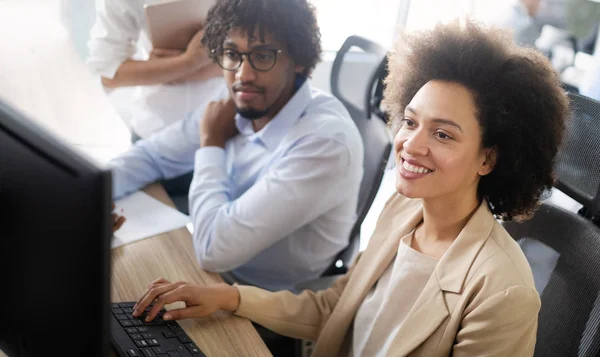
x: 272, y: 134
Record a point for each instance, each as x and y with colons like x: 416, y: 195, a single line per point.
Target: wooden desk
x: 171, y: 256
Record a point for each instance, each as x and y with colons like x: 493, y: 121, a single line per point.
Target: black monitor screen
x: 55, y: 232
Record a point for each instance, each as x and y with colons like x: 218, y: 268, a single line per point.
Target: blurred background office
x: 53, y: 36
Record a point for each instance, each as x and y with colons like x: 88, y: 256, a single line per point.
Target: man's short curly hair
x: 521, y: 107
x: 291, y: 22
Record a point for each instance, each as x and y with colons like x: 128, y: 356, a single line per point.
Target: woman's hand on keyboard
x: 200, y: 300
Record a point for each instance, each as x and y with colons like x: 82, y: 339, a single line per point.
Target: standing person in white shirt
x: 170, y: 84
x: 277, y: 167
x: 519, y: 16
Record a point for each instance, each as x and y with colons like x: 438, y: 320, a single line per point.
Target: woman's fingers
x: 152, y: 294
x: 189, y: 312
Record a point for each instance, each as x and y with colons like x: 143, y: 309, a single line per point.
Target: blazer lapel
x: 426, y: 315
x: 369, y: 268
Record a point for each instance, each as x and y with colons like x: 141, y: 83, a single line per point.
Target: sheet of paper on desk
x: 145, y: 218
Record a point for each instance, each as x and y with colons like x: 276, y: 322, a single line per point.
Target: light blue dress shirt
x: 275, y: 206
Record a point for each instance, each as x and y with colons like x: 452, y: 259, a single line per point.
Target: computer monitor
x: 55, y: 231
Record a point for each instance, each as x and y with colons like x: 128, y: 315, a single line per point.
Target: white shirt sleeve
x: 115, y: 34
x: 298, y: 189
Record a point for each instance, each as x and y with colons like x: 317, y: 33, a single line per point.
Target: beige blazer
x: 479, y: 301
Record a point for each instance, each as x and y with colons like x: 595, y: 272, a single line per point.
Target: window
x: 373, y: 19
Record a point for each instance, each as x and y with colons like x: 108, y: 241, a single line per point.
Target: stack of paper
x: 145, y: 217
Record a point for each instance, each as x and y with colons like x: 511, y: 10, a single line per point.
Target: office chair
x: 563, y: 247
x: 370, y: 120
x: 578, y: 161
x: 363, y: 102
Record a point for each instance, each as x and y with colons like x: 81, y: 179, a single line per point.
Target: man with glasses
x: 277, y: 164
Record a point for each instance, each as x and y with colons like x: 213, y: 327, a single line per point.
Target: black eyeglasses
x: 261, y: 60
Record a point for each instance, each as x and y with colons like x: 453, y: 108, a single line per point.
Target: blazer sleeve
x: 503, y: 325
x: 299, y: 316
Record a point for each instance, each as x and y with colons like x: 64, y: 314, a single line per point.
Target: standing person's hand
x: 218, y: 123
x: 200, y: 301
x: 196, y: 53
x: 117, y: 219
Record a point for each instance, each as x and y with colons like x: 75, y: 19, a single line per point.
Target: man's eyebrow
x: 264, y: 46
x: 229, y: 43
x: 258, y: 46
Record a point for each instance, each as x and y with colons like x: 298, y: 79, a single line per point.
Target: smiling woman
x: 509, y: 95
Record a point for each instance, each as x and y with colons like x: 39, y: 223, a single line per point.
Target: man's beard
x: 251, y: 114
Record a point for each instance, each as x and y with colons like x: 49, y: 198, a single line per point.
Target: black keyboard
x: 133, y: 337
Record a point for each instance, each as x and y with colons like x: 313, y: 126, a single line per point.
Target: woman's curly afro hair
x: 521, y: 106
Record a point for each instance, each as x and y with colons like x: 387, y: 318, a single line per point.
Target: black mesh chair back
x: 355, y: 73
x: 578, y: 161
x: 563, y: 249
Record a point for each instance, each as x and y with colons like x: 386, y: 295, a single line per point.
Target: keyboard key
x: 153, y: 342
x: 136, y: 336
x: 183, y: 337
x: 159, y: 350
x: 137, y: 322
x: 173, y: 326
x: 155, y: 322
x: 133, y: 353
x: 174, y: 354
x: 169, y: 334
x: 116, y: 310
x: 147, y: 352
x: 114, y: 305
x: 125, y: 323
x: 131, y: 330
x: 192, y: 347
x: 127, y: 310
x: 180, y: 348
x: 126, y: 304
x: 142, y: 329
x: 121, y: 317
x: 141, y: 343
x: 147, y: 335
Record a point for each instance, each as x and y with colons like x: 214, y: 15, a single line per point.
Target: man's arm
x: 166, y: 154
x: 311, y: 179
